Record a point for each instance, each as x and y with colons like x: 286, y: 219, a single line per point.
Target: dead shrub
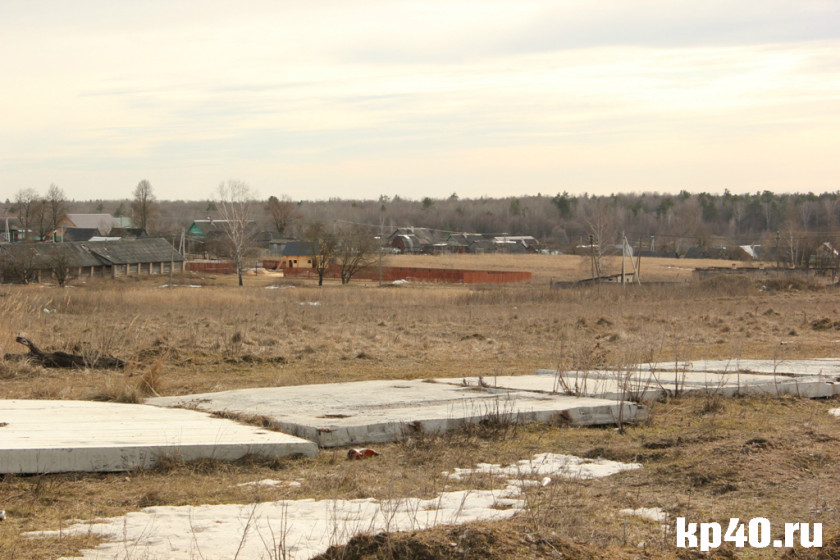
x: 150, y: 382
x: 794, y: 283
x: 728, y: 285
x: 824, y: 324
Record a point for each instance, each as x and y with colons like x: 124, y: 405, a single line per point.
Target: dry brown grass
x: 218, y: 337
x: 697, y: 455
x: 565, y: 267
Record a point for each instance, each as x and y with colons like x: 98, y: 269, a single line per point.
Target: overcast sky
x: 355, y: 99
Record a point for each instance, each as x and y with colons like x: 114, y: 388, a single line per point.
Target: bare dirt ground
x: 706, y: 458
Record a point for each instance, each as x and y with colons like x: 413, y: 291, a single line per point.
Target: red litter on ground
x: 361, y: 453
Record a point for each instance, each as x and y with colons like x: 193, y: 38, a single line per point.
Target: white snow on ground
x: 300, y: 529
x: 835, y: 412
x: 654, y: 514
x: 567, y: 466
x: 295, y: 529
x: 271, y: 483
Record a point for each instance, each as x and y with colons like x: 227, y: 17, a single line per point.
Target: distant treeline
x: 559, y: 221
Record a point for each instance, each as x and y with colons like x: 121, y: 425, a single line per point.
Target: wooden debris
x: 63, y: 359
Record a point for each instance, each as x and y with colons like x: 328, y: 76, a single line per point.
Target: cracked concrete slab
x: 650, y: 381
x: 364, y: 412
x: 44, y: 436
x: 825, y: 367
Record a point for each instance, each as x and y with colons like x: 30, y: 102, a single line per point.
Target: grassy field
x: 566, y: 267
x: 707, y: 458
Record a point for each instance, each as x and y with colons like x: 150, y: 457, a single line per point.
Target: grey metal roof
x: 297, y: 249
x: 94, y: 253
x: 96, y: 220
x: 132, y: 251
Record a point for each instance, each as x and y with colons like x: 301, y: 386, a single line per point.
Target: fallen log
x: 63, y: 359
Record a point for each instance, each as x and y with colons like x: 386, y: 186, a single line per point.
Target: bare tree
x: 39, y: 218
x: 61, y: 263
x: 144, y: 206
x: 324, y: 244
x: 18, y: 263
x: 283, y: 212
x: 235, y: 204
x: 25, y: 201
x: 356, y: 250
x: 56, y: 206
x: 601, y: 224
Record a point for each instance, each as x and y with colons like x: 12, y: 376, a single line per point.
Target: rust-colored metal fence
x: 210, y: 267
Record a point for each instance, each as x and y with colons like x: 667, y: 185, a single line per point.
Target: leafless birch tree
x: 235, y: 205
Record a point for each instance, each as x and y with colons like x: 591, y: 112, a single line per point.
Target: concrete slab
x: 40, y: 436
x: 365, y: 412
x: 826, y: 367
x: 646, y: 383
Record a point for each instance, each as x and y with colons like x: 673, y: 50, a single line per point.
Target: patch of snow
x: 271, y: 483
x: 835, y: 412
x: 653, y: 514
x: 296, y: 529
x: 399, y: 282
x: 567, y: 466
x: 279, y: 287
x: 300, y: 529
x: 310, y: 303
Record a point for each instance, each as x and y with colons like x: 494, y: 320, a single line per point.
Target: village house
x: 210, y: 236
x: 297, y: 254
x: 414, y: 240
x: 516, y: 243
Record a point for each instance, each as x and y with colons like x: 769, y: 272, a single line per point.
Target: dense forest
x: 561, y: 221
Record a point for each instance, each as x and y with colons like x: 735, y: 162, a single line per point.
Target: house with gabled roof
x: 298, y: 254
x: 516, y: 243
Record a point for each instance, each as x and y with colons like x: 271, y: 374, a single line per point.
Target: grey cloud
x: 602, y: 24
x: 674, y: 25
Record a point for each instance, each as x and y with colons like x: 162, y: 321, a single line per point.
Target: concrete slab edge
x: 382, y: 432
x: 127, y: 458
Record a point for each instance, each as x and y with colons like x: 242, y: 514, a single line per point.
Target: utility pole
x: 381, y: 246
x: 639, y: 262
x: 623, y: 255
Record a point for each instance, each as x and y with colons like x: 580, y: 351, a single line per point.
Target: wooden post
x: 623, y: 255
x: 639, y: 264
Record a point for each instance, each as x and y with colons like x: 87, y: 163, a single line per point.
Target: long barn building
x: 32, y: 262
